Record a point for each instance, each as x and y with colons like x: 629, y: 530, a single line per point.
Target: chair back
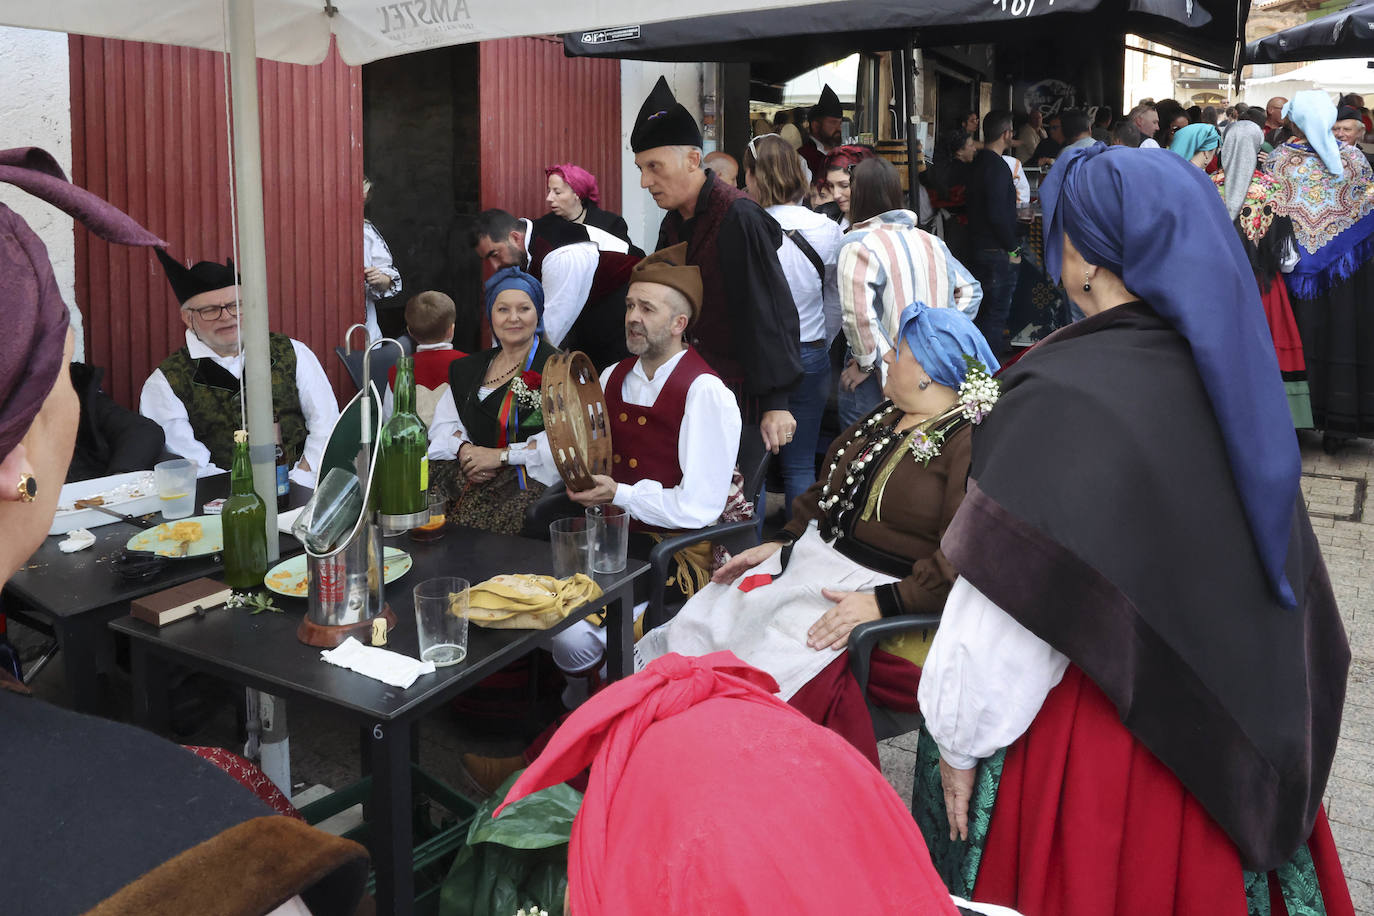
x: 383, y: 360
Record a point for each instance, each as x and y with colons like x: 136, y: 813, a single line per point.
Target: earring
x: 924, y: 383
x: 1087, y: 287
x: 28, y: 488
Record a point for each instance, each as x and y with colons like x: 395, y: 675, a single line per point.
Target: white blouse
x: 985, y: 678
x: 447, y: 435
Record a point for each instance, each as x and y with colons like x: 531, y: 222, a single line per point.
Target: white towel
x: 380, y: 664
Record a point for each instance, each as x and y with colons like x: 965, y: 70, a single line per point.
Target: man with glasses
x: 194, y: 393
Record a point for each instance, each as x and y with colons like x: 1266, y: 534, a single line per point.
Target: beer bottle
x: 244, y: 518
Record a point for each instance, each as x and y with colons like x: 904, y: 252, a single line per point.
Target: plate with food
x: 197, y: 536
x: 128, y: 494
x: 292, y: 577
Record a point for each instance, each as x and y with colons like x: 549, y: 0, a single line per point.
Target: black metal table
x: 261, y: 651
x: 74, y: 596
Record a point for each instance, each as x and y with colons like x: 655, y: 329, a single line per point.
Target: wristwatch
x: 505, y: 456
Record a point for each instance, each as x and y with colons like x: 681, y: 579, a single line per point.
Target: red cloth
x: 832, y: 698
x: 1278, y: 312
x: 1087, y: 821
x: 249, y: 775
x: 709, y: 795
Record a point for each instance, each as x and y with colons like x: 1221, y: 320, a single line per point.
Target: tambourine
x: 575, y: 419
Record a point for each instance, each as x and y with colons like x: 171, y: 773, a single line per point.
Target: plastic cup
x: 609, y: 533
x: 441, y: 620
x: 569, y: 539
x: 176, y: 487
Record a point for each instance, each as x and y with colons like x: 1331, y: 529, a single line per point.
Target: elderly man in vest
x: 675, y: 428
x: 194, y: 393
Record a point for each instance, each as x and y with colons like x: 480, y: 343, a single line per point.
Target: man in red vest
x: 675, y: 429
x: 584, y: 271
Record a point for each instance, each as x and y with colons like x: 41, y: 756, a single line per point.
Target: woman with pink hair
x: 574, y: 196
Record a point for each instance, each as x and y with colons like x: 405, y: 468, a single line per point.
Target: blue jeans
x: 997, y: 274
x: 853, y: 405
x: 806, y: 403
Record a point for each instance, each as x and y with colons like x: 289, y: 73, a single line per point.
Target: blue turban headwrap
x: 1186, y: 262
x: 1315, y: 114
x: 1194, y: 138
x: 940, y: 338
x: 515, y: 278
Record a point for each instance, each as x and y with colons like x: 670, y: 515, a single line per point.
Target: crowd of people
x: 1098, y: 737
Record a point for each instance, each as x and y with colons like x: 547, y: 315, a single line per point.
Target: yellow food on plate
x: 180, y: 531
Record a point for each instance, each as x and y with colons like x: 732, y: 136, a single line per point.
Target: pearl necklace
x: 854, y: 471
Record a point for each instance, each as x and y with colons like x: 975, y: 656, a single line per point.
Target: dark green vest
x: 210, y: 394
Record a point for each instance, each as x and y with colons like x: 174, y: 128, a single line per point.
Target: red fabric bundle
x: 710, y: 795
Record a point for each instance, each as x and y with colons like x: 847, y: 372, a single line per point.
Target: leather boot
x: 491, y: 772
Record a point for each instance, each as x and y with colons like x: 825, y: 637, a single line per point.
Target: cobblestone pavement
x: 1337, y: 490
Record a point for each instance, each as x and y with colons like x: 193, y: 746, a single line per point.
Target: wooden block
x: 173, y: 604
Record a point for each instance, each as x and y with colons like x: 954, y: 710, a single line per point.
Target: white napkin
x: 288, y: 518
x: 380, y: 664
x: 77, y: 539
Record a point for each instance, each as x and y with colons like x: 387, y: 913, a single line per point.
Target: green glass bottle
x: 400, y: 483
x: 244, y: 518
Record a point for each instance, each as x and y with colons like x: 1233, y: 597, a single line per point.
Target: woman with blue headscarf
x: 1133, y: 699
x: 1327, y: 190
x: 863, y: 542
x: 482, y: 444
x: 1197, y: 143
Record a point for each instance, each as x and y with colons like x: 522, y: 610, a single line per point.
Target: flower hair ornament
x: 977, y: 394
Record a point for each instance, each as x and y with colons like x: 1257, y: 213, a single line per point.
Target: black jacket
x: 110, y: 439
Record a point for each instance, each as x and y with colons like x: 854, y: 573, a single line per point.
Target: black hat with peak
x: 202, y: 277
x: 827, y: 106
x: 662, y: 121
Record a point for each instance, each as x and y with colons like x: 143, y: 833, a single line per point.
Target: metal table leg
x: 389, y: 752
x: 620, y: 632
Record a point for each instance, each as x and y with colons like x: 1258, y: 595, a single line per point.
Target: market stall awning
x: 298, y: 31
x: 1345, y: 33
x: 796, y: 40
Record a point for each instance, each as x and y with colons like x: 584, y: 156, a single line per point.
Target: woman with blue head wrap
x: 483, y: 441
x: 1197, y: 143
x: 1142, y: 637
x: 1327, y: 190
x: 863, y: 542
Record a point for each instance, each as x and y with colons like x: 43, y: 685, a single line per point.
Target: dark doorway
x: 421, y: 151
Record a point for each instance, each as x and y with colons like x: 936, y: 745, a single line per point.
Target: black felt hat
x: 662, y: 121
x: 202, y: 277
x: 1348, y: 113
x: 827, y: 106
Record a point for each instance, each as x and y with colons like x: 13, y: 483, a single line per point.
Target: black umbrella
x: 1346, y: 33
x: 801, y: 38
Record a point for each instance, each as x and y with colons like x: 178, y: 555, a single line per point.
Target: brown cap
x: 670, y: 268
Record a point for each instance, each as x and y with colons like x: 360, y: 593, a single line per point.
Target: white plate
x: 211, y: 538
x: 129, y: 494
x: 291, y: 577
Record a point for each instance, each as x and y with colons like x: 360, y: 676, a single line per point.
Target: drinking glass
x: 433, y: 529
x: 441, y: 620
x: 176, y: 487
x: 609, y: 534
x: 569, y: 539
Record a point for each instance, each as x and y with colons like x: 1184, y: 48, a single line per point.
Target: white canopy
x: 1335, y: 76
x: 297, y: 31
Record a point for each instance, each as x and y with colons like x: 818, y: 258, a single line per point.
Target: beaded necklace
x: 880, y: 429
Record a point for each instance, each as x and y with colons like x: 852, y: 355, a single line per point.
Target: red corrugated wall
x: 149, y: 134
x: 540, y: 108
